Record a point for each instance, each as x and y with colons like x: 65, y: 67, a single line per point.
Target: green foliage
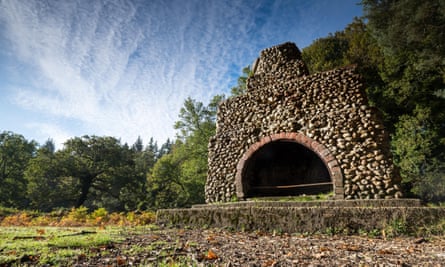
x: 410, y: 35
x: 394, y: 228
x: 177, y: 179
x: 418, y: 152
x: 90, y: 171
x: 164, y: 184
x: 195, y: 119
x: 46, y: 181
x: 241, y: 87
x: 78, y: 214
x: 326, y: 53
x: 412, y: 144
x: 353, y: 46
x: 15, y: 153
x: 399, y: 54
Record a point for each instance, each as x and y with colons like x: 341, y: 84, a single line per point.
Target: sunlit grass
x: 58, y: 245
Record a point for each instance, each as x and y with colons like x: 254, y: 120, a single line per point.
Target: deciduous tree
x: 15, y: 152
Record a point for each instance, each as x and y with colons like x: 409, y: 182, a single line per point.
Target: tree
x: 102, y: 168
x: 134, y: 194
x: 49, y: 146
x: 353, y: 46
x: 242, y: 82
x: 194, y: 118
x: 410, y: 35
x: 414, y: 145
x: 178, y: 178
x: 15, y: 152
x: 165, y: 149
x: 47, y: 186
x: 138, y: 146
x: 165, y: 186
x: 90, y: 171
x: 365, y: 53
x: 326, y: 53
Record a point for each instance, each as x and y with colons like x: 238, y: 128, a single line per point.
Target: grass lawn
x: 57, y: 245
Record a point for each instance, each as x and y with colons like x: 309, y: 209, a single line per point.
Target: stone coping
x: 270, y: 202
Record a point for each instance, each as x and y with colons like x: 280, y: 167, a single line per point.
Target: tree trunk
x: 86, y: 185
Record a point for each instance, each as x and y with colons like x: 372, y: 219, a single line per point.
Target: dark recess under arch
x: 287, y: 164
x: 279, y: 168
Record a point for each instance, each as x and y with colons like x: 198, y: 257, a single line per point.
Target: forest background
x: 399, y: 51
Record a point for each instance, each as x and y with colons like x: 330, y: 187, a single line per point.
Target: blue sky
x: 124, y: 68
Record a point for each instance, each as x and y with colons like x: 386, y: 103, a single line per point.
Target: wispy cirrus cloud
x: 124, y: 68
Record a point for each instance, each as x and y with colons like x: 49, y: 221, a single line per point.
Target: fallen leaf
x: 41, y: 231
x: 181, y: 232
x: 412, y: 249
x: 269, y: 263
x: 349, y: 247
x: 324, y: 249
x: 121, y: 261
x: 211, y: 255
x: 12, y: 252
x: 384, y: 252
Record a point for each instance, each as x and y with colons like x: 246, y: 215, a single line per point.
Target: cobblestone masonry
x: 326, y: 112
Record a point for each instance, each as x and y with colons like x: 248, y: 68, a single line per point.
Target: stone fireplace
x: 286, y: 164
x: 293, y: 133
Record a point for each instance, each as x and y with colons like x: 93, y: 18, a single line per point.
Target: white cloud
x: 51, y: 131
x: 124, y: 68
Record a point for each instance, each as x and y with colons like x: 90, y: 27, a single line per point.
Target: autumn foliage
x: 78, y: 217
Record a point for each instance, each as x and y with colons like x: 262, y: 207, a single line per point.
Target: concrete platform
x: 342, y: 216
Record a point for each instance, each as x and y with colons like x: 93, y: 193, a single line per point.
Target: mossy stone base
x: 307, y: 217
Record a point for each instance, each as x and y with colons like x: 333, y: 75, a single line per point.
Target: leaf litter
x: 217, y: 247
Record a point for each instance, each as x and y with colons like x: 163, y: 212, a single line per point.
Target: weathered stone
x: 325, y: 112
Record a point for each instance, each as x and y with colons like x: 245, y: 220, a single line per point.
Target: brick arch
x: 319, y: 149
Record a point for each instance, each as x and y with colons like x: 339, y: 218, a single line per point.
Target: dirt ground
x: 216, y: 247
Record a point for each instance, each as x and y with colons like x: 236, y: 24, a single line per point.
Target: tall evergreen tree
x: 411, y: 34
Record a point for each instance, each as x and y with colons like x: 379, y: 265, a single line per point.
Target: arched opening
x: 288, y: 164
x: 284, y: 168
